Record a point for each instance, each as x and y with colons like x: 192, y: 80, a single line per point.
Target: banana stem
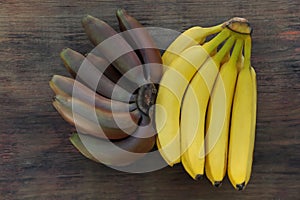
x: 217, y: 40
x: 247, y: 52
x: 214, y: 29
x: 225, y: 48
x: 236, y: 50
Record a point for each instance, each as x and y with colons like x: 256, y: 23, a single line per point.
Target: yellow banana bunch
x: 206, y: 97
x: 171, y: 91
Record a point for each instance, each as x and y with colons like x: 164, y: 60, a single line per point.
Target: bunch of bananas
x: 206, y: 103
x: 111, y: 92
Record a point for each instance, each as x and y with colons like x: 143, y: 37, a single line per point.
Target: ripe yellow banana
x: 218, y: 118
x: 243, y: 121
x: 192, y: 36
x: 172, y: 87
x: 194, y: 104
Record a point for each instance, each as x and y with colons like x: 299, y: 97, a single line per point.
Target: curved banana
x: 104, y: 67
x: 243, y: 120
x: 119, y: 153
x: 110, y: 72
x: 218, y: 118
x: 195, y: 101
x: 141, y: 41
x: 192, y: 36
x: 69, y: 87
x: 114, y: 48
x: 87, y: 73
x: 97, y: 122
x: 171, y: 91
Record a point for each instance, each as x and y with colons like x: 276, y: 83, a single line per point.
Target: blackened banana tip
x: 199, y: 177
x: 57, y: 98
x: 53, y: 98
x: 217, y: 184
x: 240, y: 187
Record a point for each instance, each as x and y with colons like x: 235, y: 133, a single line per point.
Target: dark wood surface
x: 37, y: 160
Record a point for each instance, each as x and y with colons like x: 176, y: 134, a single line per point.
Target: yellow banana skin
x: 218, y: 118
x: 194, y: 104
x: 243, y: 121
x: 170, y: 94
x: 192, y: 36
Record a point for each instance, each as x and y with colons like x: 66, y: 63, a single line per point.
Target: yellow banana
x: 243, y: 121
x: 218, y: 118
x: 192, y: 121
x: 171, y: 91
x: 192, y: 36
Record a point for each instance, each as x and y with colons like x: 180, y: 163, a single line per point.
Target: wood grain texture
x: 37, y: 161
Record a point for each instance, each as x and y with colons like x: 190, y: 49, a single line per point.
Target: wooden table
x: 37, y: 160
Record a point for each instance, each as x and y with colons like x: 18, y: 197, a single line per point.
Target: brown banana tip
x: 199, y: 177
x: 241, y: 186
x: 239, y: 25
x: 217, y: 184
